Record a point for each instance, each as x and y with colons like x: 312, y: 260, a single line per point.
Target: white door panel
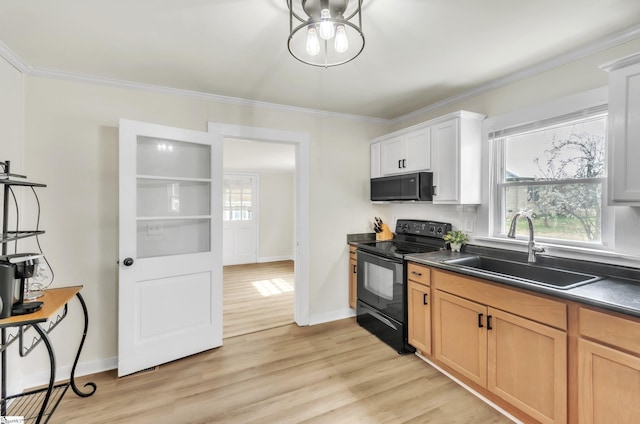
x: 170, y: 272
x: 240, y: 218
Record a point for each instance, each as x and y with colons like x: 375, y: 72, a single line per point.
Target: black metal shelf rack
x: 35, y: 406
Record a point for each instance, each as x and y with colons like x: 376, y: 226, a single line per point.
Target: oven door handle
x: 364, y: 254
x: 376, y: 314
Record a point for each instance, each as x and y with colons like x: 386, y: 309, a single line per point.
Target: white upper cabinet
x: 375, y: 160
x: 407, y: 152
x: 449, y: 146
x: 624, y: 131
x: 456, y: 152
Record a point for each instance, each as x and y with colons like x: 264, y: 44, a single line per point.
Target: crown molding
x: 112, y: 82
x: 13, y: 59
x: 603, y: 44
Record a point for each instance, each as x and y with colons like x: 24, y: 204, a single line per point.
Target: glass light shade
x: 341, y: 43
x: 326, y: 29
x: 313, y: 45
x: 306, y: 35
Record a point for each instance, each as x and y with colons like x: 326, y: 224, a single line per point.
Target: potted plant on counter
x: 456, y: 238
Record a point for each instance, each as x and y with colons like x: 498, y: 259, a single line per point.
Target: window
x: 554, y: 169
x: 238, y: 197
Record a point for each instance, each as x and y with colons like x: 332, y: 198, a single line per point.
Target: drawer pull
x: 419, y: 274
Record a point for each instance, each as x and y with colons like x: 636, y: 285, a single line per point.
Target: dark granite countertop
x: 618, y: 290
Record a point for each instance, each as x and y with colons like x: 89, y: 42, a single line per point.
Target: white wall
x: 276, y: 234
x: 72, y: 143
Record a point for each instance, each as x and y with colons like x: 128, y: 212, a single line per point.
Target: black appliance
x: 415, y: 186
x: 382, y: 281
x: 15, y: 270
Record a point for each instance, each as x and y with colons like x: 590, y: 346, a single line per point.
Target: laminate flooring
x: 257, y: 297
x: 330, y: 373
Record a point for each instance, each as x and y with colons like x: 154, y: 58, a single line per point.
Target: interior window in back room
x: 556, y: 171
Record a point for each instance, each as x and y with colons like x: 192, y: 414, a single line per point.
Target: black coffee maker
x: 15, y: 270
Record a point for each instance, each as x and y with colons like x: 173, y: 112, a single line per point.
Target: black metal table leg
x: 72, y: 379
x: 52, y: 375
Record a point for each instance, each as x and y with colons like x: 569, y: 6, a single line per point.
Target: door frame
x: 301, y: 257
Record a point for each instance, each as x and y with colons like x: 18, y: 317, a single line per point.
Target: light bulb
x: 326, y: 27
x: 342, y: 43
x: 313, y: 46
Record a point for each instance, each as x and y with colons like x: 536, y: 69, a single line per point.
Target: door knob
x: 128, y: 262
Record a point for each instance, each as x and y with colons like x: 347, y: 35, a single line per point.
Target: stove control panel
x: 422, y: 228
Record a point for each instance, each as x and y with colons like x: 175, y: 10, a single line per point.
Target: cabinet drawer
x: 352, y: 251
x: 537, y: 308
x: 610, y: 329
x: 419, y: 273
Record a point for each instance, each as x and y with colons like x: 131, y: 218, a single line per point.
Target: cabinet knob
x: 128, y: 262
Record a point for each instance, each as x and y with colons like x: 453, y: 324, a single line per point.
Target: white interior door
x: 240, y: 219
x: 170, y: 265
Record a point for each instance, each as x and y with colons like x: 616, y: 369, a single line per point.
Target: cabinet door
x: 460, y: 336
x: 445, y: 151
x: 419, y: 314
x: 392, y: 154
x: 375, y: 160
x: 624, y: 133
x: 527, y: 365
x: 418, y: 150
x: 353, y: 281
x: 608, y: 385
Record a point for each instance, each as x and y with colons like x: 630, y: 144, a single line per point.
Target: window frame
x: 587, y: 105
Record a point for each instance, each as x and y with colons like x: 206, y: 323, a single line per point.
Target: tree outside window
x: 556, y: 173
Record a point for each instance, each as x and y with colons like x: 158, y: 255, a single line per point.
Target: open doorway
x: 258, y: 235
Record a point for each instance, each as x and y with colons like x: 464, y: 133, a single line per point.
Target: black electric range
x: 382, y: 281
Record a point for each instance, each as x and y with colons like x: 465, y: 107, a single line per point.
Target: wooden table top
x: 53, y: 300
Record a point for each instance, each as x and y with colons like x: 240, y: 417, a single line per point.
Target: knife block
x: 385, y: 234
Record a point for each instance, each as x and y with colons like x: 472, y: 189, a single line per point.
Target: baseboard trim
x: 330, y: 316
x: 470, y: 390
x: 63, y: 373
x: 274, y: 259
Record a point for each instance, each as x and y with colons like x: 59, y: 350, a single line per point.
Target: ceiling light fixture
x: 325, y: 32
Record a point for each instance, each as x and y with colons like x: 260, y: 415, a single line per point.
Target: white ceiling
x: 417, y: 52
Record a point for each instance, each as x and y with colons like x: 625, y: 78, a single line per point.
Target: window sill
x: 563, y: 251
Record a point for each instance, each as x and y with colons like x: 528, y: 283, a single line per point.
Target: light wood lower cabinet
x: 419, y: 308
x: 460, y: 336
x: 514, y: 357
x: 608, y: 369
x: 527, y: 365
x: 353, y: 276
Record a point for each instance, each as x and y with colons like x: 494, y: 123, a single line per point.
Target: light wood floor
x: 257, y: 297
x: 331, y: 373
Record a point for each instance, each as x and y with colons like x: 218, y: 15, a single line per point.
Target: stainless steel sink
x: 524, y: 272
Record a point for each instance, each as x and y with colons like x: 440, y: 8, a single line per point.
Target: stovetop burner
x: 412, y: 236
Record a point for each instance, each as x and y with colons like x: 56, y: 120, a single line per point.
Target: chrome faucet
x: 532, y: 248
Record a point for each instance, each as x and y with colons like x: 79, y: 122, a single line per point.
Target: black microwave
x: 417, y: 186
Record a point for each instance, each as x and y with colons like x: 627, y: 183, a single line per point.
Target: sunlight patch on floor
x: 272, y: 287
